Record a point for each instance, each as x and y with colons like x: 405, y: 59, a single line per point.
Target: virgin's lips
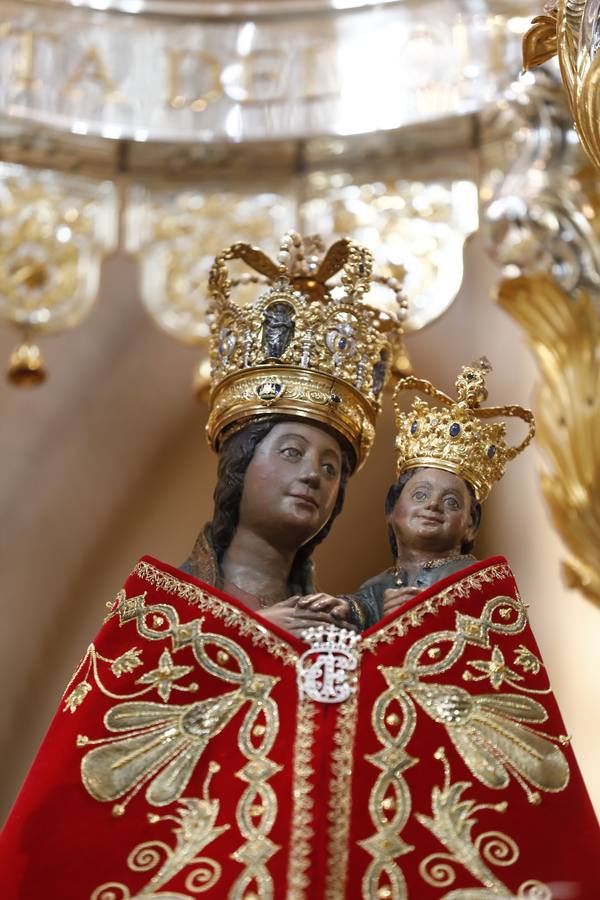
x: 307, y: 499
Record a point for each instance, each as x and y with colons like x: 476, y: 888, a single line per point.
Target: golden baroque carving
x: 569, y: 29
x: 564, y: 335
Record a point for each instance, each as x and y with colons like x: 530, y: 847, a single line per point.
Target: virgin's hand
x: 337, y: 607
x: 393, y: 598
x: 293, y: 618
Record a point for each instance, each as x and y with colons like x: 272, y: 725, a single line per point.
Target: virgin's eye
x: 291, y: 452
x: 330, y: 469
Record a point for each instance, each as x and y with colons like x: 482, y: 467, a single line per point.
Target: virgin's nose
x: 310, y: 475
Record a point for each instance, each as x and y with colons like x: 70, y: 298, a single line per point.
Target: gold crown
x: 305, y: 347
x: 454, y: 436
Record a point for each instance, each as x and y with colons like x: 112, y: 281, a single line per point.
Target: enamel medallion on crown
x: 308, y: 346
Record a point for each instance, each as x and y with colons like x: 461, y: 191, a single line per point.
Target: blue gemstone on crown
x: 454, y: 429
x: 491, y: 451
x: 413, y: 428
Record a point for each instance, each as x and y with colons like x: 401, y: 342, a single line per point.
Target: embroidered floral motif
x: 490, y: 734
x: 163, y: 677
x: 77, y: 696
x: 160, y: 679
x: 127, y: 662
x: 452, y: 822
x: 495, y: 669
x: 527, y: 660
x: 195, y: 828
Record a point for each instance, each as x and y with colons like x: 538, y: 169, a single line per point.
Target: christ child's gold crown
x: 306, y: 347
x: 454, y: 436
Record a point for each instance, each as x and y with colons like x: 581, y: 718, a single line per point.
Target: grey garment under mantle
x: 370, y: 594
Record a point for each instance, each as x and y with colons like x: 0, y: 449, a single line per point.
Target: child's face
x: 433, y: 513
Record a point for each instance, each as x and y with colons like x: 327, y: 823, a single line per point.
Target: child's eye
x: 452, y: 502
x: 420, y: 495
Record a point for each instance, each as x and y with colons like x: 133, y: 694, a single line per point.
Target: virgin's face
x: 291, y: 484
x: 433, y: 512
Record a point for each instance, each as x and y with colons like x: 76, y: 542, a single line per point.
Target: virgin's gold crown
x: 306, y: 347
x: 455, y: 436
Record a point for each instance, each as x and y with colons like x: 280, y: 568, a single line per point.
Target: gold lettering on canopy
x: 187, y: 69
x: 195, y: 78
x: 92, y: 68
x: 28, y: 44
x: 319, y: 77
x: 264, y: 77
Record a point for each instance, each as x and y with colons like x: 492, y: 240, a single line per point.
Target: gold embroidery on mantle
x: 127, y: 662
x: 492, y: 733
x: 488, y: 732
x: 257, y: 807
x: 526, y: 660
x: 393, y: 719
x: 452, y: 823
x: 195, y: 828
x: 298, y: 885
x: 162, y: 679
x: 246, y: 625
x: 340, y: 797
x: 446, y: 597
x: 165, y: 675
x: 160, y: 748
x: 157, y: 746
x: 498, y: 672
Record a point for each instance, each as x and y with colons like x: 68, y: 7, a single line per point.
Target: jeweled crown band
x: 287, y: 391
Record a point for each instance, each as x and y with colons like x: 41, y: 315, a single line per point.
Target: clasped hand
x: 393, y: 598
x: 298, y: 613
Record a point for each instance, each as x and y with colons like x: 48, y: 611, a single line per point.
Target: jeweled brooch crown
x: 307, y: 347
x: 455, y: 436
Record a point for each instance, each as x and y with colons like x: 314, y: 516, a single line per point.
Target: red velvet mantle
x: 182, y: 764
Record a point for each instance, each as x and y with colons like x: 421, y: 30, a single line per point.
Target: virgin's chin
x: 303, y: 522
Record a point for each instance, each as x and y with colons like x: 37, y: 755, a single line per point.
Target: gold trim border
x: 302, y: 830
x: 262, y: 637
x: 340, y: 805
x: 447, y: 597
x: 231, y: 615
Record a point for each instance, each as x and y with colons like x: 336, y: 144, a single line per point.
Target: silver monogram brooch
x: 323, y: 670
